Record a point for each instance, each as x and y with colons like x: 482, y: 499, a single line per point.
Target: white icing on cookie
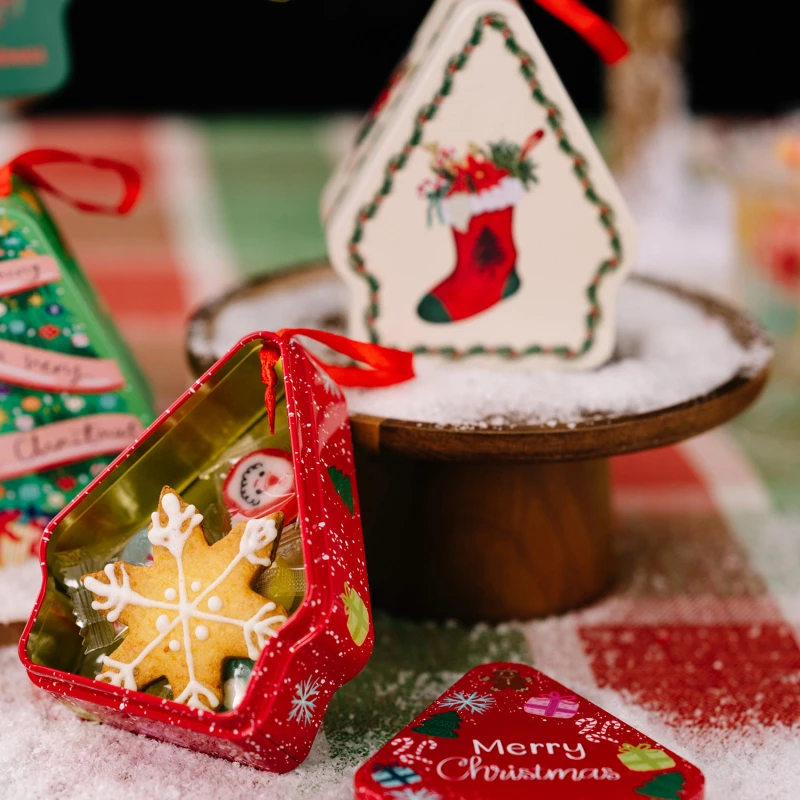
x: 117, y: 595
x: 258, y: 533
x: 179, y: 527
x: 261, y: 627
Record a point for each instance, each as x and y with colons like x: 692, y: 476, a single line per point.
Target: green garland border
x: 579, y: 167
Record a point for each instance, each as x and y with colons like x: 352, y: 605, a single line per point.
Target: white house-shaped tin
x: 474, y: 214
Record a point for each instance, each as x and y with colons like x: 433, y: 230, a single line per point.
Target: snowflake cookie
x: 193, y: 608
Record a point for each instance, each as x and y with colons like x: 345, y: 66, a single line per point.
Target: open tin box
x: 328, y: 637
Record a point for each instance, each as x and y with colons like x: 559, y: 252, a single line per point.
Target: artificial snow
x: 46, y: 751
x: 310, y: 306
x: 669, y: 351
x: 685, y: 221
x: 19, y: 588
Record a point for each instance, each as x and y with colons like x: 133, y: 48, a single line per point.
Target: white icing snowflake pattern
x: 178, y: 611
x: 415, y: 794
x: 461, y: 701
x: 304, y: 701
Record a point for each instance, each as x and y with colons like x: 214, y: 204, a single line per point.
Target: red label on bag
x: 22, y: 274
x: 507, y: 731
x: 49, y: 371
x: 65, y: 442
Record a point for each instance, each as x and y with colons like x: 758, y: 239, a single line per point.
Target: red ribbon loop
x: 25, y: 166
x: 387, y: 366
x: 599, y: 33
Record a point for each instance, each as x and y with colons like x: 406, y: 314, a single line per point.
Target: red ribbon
x: 25, y: 166
x: 387, y: 365
x: 599, y: 33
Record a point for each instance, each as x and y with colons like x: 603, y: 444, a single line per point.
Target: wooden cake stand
x: 502, y: 523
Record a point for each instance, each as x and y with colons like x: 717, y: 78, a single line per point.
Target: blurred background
x: 236, y: 115
x: 256, y: 56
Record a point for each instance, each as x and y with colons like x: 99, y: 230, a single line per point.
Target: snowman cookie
x: 260, y: 483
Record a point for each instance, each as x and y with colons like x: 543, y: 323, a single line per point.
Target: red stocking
x: 485, y: 271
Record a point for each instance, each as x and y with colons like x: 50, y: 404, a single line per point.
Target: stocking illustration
x: 476, y: 198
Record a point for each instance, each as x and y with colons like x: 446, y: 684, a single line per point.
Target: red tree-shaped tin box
x: 215, y: 447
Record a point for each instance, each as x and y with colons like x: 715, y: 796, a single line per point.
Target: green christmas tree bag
x: 71, y: 395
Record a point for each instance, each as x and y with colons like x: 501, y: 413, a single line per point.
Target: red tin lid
x: 508, y: 731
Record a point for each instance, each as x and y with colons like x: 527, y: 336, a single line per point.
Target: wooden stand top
x: 540, y: 443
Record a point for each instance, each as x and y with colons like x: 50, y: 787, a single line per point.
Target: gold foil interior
x: 226, y: 410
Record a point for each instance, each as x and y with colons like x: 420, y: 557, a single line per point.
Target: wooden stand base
x: 498, y: 522
x: 484, y: 541
x: 10, y: 633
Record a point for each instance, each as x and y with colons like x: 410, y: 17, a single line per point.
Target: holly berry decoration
x: 357, y: 615
x: 261, y: 483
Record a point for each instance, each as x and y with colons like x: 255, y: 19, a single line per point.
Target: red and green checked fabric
x: 697, y: 644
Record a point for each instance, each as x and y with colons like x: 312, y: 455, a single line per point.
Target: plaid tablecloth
x: 697, y: 644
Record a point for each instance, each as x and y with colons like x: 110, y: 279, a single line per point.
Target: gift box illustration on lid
x: 240, y: 627
x: 476, y: 216
x: 71, y: 395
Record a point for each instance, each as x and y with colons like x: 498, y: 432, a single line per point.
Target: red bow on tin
x: 6, y: 519
x: 557, y: 696
x: 387, y: 366
x: 25, y: 165
x: 601, y: 35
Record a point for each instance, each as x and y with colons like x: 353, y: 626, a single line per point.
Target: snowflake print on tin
x: 415, y: 794
x: 304, y: 701
x: 472, y: 701
x: 325, y: 380
x: 193, y: 608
